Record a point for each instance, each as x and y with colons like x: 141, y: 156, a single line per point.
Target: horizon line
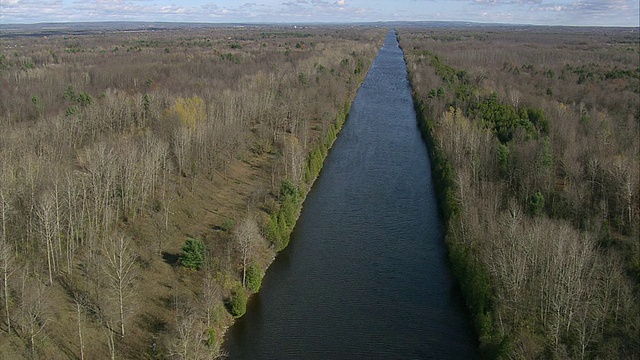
x: 294, y: 23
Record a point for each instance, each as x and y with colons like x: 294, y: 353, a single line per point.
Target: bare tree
x: 5, y: 203
x: 34, y: 306
x: 46, y: 217
x: 210, y: 299
x: 294, y: 159
x: 189, y: 341
x: 74, y: 216
x: 119, y: 267
x: 6, y: 250
x: 79, y: 300
x: 111, y: 343
x: 181, y: 146
x: 247, y: 234
x: 7, y: 266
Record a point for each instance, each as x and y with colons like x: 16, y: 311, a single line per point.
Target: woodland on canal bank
x: 534, y: 136
x: 148, y: 177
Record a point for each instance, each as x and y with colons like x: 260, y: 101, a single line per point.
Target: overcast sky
x: 540, y: 12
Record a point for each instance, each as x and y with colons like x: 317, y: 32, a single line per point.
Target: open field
x: 118, y: 146
x: 536, y: 149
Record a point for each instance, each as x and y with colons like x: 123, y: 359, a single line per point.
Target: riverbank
x: 279, y: 222
x: 544, y: 272
x: 465, y: 269
x: 263, y: 185
x: 165, y: 144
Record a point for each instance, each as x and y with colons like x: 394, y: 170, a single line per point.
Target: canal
x: 365, y: 275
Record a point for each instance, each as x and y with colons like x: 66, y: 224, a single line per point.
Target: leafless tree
x: 294, y: 159
x: 7, y: 267
x: 247, y: 234
x: 34, y: 308
x: 46, y: 216
x: 190, y: 340
x: 79, y: 302
x: 210, y: 298
x: 119, y: 267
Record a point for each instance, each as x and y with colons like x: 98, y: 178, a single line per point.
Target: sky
x: 536, y: 12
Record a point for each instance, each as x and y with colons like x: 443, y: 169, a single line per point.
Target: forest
x: 534, y: 140
x: 148, y: 177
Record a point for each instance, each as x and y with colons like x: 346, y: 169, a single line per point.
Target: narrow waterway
x: 365, y: 275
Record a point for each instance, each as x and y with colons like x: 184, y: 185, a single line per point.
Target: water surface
x: 365, y: 275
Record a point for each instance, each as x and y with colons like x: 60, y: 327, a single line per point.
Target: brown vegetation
x: 535, y: 142
x: 115, y: 148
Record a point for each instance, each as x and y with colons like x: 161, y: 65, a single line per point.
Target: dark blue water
x: 365, y: 275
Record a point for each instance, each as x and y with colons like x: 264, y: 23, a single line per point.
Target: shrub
x: 84, y: 99
x: 254, y: 277
x: 192, y: 255
x: 227, y: 224
x: 212, y: 338
x: 503, y: 159
x: 281, y: 223
x: 71, y: 110
x: 287, y: 189
x: 277, y: 230
x: 238, y: 303
x: 536, y: 204
x: 70, y: 94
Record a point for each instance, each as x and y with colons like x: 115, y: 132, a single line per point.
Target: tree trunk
x: 5, y: 283
x: 79, y: 313
x: 121, y: 300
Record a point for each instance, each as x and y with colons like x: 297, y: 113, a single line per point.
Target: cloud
x: 322, y: 11
x: 550, y: 8
x: 603, y: 7
x: 590, y: 12
x: 30, y: 10
x: 506, y: 2
x: 551, y: 12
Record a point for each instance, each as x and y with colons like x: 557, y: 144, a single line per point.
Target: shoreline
x: 330, y: 137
